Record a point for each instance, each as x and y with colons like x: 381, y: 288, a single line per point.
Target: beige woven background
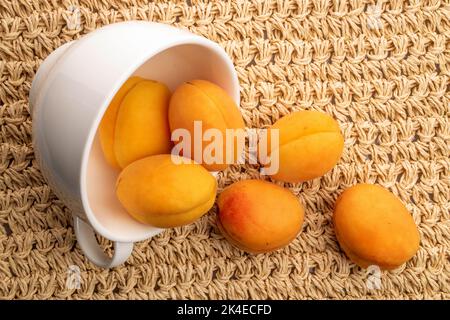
x: 381, y: 68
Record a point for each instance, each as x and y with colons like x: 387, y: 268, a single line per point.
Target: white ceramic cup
x: 68, y: 97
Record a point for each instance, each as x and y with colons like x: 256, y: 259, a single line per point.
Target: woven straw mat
x: 380, y: 68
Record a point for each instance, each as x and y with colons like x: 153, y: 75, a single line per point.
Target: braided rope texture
x: 381, y: 68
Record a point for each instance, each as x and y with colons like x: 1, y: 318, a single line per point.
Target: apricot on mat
x: 259, y: 216
x: 310, y: 144
x: 200, y: 100
x: 136, y: 124
x: 373, y: 227
x: 160, y: 192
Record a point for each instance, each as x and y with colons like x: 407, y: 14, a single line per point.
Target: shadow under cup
x: 172, y: 67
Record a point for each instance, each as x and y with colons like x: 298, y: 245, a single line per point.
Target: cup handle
x: 88, y: 243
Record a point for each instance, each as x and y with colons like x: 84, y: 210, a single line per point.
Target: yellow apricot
x: 142, y: 127
x: 200, y: 100
x: 310, y: 144
x: 108, y: 123
x: 164, y: 193
x: 373, y: 227
x: 259, y: 216
x: 135, y: 125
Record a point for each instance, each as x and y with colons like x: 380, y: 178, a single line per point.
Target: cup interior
x: 172, y: 67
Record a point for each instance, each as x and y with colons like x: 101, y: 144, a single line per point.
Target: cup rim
x: 189, y: 39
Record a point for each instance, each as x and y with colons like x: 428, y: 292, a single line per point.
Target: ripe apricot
x: 135, y: 124
x: 259, y: 216
x: 373, y: 227
x: 200, y: 100
x: 310, y: 144
x: 108, y: 122
x: 160, y: 192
